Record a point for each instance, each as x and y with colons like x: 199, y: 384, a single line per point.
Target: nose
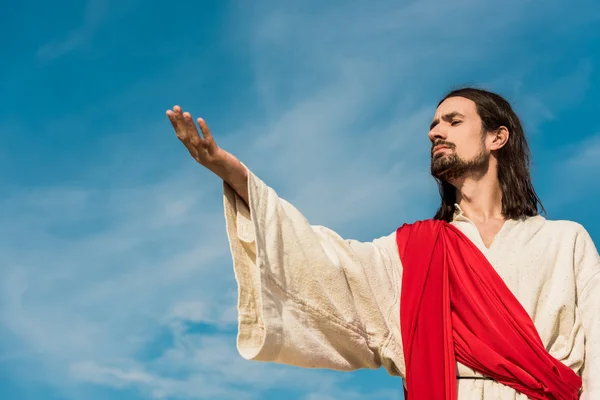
x: 437, y: 133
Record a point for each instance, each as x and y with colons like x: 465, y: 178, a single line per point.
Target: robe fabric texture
x: 454, y: 306
x: 310, y: 298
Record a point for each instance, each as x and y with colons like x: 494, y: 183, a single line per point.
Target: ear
x: 499, y: 138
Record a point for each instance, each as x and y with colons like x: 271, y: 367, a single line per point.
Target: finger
x: 191, y: 131
x: 172, y: 119
x: 176, y: 119
x: 183, y: 133
x: 204, y: 128
x: 179, y: 117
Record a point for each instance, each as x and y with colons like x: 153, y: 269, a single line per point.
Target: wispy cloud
x: 587, y: 156
x: 575, y: 173
x: 200, y: 366
x: 544, y: 104
x: 352, y: 394
x: 94, y: 13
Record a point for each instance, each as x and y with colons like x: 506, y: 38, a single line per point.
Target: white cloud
x: 201, y: 367
x: 94, y: 13
x: 576, y: 172
x: 350, y: 395
x: 543, y: 105
x: 586, y: 156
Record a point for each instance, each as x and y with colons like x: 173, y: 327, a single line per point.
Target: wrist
x: 229, y: 168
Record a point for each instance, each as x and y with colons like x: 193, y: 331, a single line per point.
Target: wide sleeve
x: 307, y: 297
x: 587, y: 265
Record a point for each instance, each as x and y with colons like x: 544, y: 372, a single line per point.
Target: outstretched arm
x: 306, y: 297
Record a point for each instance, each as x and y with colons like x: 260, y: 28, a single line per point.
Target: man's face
x: 458, y: 147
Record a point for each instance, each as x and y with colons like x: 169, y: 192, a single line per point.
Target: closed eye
x: 455, y: 122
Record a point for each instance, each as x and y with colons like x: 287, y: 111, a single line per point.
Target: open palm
x: 204, y: 149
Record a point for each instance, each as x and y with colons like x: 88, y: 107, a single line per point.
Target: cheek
x: 468, y: 149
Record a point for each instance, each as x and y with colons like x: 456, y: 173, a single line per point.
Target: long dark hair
x: 519, y: 199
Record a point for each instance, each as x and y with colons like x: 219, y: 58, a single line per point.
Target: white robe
x: 309, y: 298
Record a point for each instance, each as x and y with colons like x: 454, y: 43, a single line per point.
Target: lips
x: 438, y: 148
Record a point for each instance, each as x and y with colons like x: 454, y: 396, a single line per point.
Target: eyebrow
x: 446, y: 117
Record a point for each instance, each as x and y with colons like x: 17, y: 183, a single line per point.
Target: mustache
x: 440, y: 142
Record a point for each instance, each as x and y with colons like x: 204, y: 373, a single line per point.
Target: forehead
x: 456, y: 105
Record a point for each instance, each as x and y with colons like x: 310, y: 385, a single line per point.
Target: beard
x: 450, y: 166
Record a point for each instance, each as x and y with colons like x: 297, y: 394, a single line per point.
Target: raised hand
x: 206, y: 152
x: 203, y: 149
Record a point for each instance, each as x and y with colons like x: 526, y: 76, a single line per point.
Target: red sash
x: 455, y: 307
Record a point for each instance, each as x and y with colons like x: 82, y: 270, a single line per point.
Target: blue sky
x: 116, y: 278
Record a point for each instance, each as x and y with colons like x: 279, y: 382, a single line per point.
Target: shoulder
x: 561, y: 229
x: 565, y: 227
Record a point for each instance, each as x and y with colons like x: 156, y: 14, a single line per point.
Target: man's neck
x: 480, y: 198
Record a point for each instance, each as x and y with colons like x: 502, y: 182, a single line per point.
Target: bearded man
x: 487, y: 300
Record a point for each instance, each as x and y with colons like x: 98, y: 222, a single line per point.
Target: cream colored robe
x: 309, y: 298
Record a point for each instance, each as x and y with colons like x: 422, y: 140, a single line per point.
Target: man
x: 309, y: 298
